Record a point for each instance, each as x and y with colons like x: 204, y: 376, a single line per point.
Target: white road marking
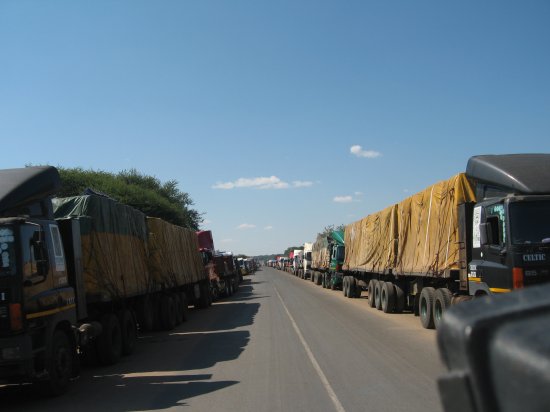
x: 324, y: 380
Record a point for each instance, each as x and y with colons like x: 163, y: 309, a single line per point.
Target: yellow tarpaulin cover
x: 114, y: 265
x: 174, y: 257
x: 428, y: 227
x: 320, y: 258
x: 371, y: 243
x: 113, y: 242
x: 417, y: 236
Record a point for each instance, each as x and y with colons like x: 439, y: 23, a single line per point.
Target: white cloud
x: 342, y: 199
x: 301, y: 183
x: 268, y: 227
x: 206, y: 222
x: 246, y: 226
x: 359, y: 152
x: 227, y: 240
x: 271, y: 182
x: 358, y: 193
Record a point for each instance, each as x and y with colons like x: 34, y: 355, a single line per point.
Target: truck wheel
x: 387, y: 297
x: 184, y: 306
x: 371, y: 293
x: 352, y: 287
x: 345, y: 286
x: 358, y: 290
x: 146, y: 314
x: 377, y: 294
x: 109, y: 343
x: 442, y: 300
x: 179, y: 309
x: 204, y: 299
x: 128, y: 330
x: 61, y: 365
x: 167, y: 312
x: 425, y: 307
x: 215, y: 291
x: 399, y: 298
x: 319, y: 278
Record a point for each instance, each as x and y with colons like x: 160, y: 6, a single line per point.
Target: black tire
x: 346, y: 286
x: 425, y: 307
x: 167, y: 312
x: 184, y: 306
x: 146, y: 314
x: 179, y: 309
x: 352, y: 287
x: 377, y: 293
x: 399, y: 298
x: 442, y: 301
x: 109, y: 343
x: 371, y: 293
x: 319, y: 278
x: 332, y: 286
x: 215, y: 291
x: 328, y: 280
x: 129, y: 331
x: 387, y: 297
x: 205, y: 299
x: 60, y: 369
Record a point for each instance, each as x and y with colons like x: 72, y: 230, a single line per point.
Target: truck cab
x: 510, y: 235
x: 37, y: 303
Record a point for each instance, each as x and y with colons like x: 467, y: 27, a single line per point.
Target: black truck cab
x: 510, y: 233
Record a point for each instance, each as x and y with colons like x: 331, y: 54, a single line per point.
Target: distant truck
x: 80, y: 274
x: 297, y: 259
x: 221, y: 268
x: 482, y: 232
x: 327, y: 259
x: 306, y: 263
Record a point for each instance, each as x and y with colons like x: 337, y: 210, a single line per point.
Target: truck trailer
x: 77, y: 276
x: 479, y: 233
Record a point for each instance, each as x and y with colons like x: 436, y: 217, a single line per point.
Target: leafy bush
x: 145, y: 193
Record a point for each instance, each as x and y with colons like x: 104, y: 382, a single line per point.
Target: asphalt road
x: 279, y: 344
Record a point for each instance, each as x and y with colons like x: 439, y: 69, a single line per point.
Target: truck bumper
x: 16, y: 361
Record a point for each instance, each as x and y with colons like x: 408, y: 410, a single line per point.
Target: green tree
x: 145, y: 193
x: 329, y: 229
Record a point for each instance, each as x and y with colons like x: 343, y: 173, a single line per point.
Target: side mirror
x: 486, y: 233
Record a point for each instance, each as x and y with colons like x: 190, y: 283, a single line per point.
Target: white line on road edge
x: 324, y: 380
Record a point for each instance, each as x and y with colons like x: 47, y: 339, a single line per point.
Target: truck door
x: 494, y: 269
x: 39, y: 292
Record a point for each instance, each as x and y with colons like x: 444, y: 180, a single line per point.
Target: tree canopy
x: 329, y: 229
x: 145, y: 193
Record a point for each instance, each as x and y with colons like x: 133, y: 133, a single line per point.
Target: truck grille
x: 542, y: 276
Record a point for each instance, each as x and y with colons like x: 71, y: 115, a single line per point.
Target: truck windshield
x: 7, y: 251
x: 340, y: 252
x: 530, y: 222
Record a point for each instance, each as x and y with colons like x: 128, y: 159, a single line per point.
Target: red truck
x: 220, y: 266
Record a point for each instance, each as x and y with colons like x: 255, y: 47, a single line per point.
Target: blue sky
x: 254, y: 106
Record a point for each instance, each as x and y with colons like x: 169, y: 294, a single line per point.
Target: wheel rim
x: 423, y: 307
x: 438, y: 311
